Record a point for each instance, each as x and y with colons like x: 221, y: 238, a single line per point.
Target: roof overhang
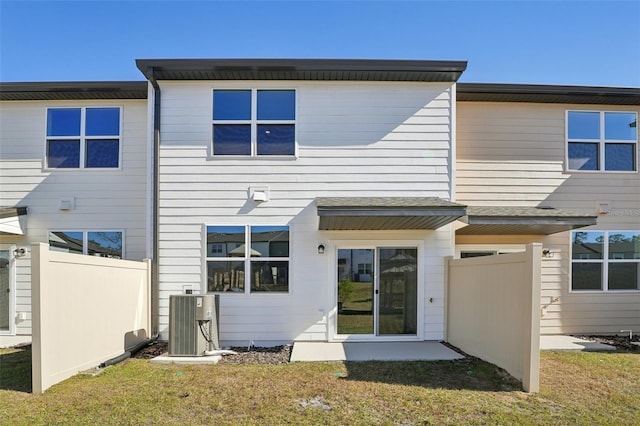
x: 68, y: 90
x: 13, y: 220
x: 539, y: 93
x: 522, y: 221
x: 385, y: 213
x: 302, y: 69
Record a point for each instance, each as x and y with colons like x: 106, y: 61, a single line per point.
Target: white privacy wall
x: 104, y: 199
x: 354, y: 139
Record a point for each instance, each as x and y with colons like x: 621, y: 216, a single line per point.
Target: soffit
x: 538, y: 93
x: 386, y: 213
x: 73, y: 90
x: 301, y: 69
x: 497, y: 220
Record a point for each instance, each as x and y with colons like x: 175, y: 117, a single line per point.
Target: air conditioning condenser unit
x: 193, y: 324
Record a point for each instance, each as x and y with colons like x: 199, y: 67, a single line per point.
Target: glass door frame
x: 332, y: 322
x: 12, y: 289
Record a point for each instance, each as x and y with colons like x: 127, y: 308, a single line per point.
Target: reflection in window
x: 263, y: 263
x: 94, y: 243
x: 72, y: 145
x: 605, y: 261
x: 602, y: 140
x: 254, y: 122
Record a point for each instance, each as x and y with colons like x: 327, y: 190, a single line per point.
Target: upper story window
x: 93, y: 243
x: 254, y: 122
x: 83, y: 138
x: 243, y: 259
x: 605, y: 260
x: 604, y: 141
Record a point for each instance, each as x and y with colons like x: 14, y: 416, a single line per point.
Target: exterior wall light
x: 321, y: 249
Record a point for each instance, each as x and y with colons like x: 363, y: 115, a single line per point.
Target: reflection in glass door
x: 355, y: 291
x: 5, y: 291
x: 377, y: 291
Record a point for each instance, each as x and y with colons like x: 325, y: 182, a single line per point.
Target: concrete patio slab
x: 571, y: 343
x: 166, y: 359
x: 372, y: 351
x: 9, y: 341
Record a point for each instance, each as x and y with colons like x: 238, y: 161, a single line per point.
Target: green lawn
x: 576, y: 388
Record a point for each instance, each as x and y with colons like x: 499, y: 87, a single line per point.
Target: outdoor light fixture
x: 321, y: 249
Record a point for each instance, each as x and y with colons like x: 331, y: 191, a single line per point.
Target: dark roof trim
x: 522, y: 221
x: 73, y: 90
x: 386, y: 213
x: 302, y: 69
x: 537, y: 93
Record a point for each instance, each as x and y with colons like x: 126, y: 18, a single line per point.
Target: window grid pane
x: 583, y: 156
x: 586, y: 276
x: 232, y: 104
x: 68, y: 242
x: 619, y: 156
x: 276, y: 139
x: 269, y: 276
x: 102, y: 122
x: 232, y: 139
x: 620, y: 126
x: 102, y: 153
x: 583, y: 125
x: 105, y: 244
x: 63, y: 121
x: 276, y: 105
x: 623, y: 276
x: 63, y: 154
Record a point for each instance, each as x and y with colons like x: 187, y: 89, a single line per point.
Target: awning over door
x: 13, y: 220
x: 521, y: 221
x: 386, y: 213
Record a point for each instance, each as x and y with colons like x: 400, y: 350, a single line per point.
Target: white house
x: 74, y: 174
x: 320, y: 198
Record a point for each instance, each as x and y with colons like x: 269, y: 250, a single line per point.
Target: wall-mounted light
x: 547, y: 253
x: 321, y: 249
x: 20, y: 252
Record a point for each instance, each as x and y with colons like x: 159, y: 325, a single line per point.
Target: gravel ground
x: 255, y: 355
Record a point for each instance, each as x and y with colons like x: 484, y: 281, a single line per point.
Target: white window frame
x: 83, y: 138
x: 605, y: 261
x: 85, y: 238
x: 247, y: 263
x: 601, y: 141
x: 254, y: 122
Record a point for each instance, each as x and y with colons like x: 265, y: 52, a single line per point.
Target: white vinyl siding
x: 104, y: 199
x: 353, y: 139
x: 513, y: 154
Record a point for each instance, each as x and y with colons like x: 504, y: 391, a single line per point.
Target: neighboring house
x: 320, y: 198
x: 563, y: 147
x: 74, y: 174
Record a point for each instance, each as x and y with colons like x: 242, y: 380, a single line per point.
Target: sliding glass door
x: 377, y: 291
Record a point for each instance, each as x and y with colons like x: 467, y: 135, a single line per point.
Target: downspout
x: 155, y: 276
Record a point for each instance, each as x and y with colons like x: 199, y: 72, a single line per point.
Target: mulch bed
x: 253, y: 355
x: 622, y: 343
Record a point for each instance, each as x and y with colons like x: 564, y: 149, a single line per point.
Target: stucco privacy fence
x: 493, y: 311
x: 86, y: 310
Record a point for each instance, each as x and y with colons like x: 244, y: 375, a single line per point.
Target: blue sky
x: 545, y: 42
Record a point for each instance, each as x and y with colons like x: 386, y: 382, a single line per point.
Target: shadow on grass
x: 465, y: 374
x: 15, y: 370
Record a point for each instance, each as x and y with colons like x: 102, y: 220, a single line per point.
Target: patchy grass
x: 576, y: 388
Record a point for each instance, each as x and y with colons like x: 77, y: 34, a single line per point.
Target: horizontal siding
x: 104, y: 199
x: 353, y: 139
x: 513, y: 154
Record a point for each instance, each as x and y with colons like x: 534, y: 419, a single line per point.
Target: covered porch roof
x: 386, y: 213
x: 500, y: 220
x: 12, y: 220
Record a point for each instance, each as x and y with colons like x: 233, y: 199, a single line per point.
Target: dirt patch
x: 622, y: 343
x: 254, y: 355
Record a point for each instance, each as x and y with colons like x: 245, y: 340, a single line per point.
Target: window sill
x: 615, y: 172
x: 609, y: 292
x: 252, y: 158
